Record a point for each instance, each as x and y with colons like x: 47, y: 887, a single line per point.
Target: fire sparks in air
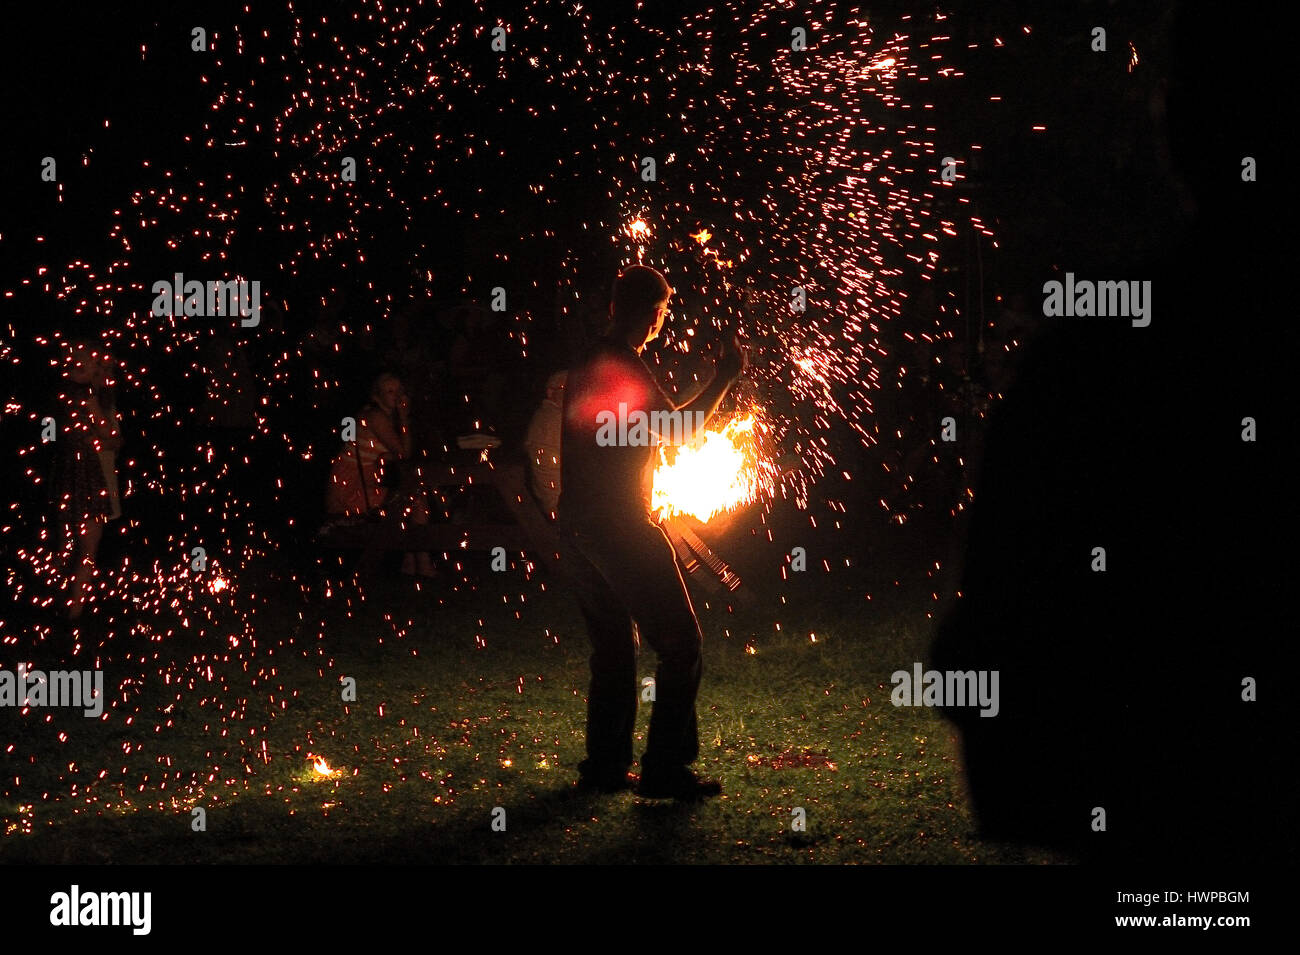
x: 816, y: 172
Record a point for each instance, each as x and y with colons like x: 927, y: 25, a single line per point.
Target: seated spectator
x: 367, y: 478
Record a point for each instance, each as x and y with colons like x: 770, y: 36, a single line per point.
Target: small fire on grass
x: 723, y: 470
x: 322, y: 768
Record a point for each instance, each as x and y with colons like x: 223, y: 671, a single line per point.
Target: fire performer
x: 623, y: 568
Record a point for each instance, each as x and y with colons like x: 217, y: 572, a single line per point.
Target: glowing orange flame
x: 723, y: 471
x: 322, y: 768
x: 638, y: 229
x: 703, y: 236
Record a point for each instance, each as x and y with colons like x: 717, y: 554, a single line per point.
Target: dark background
x: 1119, y: 431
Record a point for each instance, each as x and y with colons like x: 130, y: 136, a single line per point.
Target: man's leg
x: 612, y: 696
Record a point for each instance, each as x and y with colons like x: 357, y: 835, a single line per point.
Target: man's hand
x: 732, y: 361
x: 732, y: 358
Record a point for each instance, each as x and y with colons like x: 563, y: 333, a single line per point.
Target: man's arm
x: 711, y: 395
x: 730, y: 366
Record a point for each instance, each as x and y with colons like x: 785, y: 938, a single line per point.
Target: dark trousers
x: 621, y: 573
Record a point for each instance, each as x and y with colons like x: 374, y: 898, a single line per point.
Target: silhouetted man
x: 1128, y: 547
x: 622, y: 565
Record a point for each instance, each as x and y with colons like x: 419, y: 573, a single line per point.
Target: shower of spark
x: 783, y: 176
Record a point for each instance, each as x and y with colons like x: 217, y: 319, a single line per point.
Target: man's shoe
x: 679, y: 783
x: 608, y: 782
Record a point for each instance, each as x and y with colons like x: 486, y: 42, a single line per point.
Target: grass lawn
x: 459, y: 712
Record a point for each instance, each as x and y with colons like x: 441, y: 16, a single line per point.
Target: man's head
x: 639, y: 305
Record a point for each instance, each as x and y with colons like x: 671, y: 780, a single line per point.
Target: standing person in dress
x: 86, y: 486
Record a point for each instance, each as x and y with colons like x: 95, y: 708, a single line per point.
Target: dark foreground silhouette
x: 1123, y: 690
